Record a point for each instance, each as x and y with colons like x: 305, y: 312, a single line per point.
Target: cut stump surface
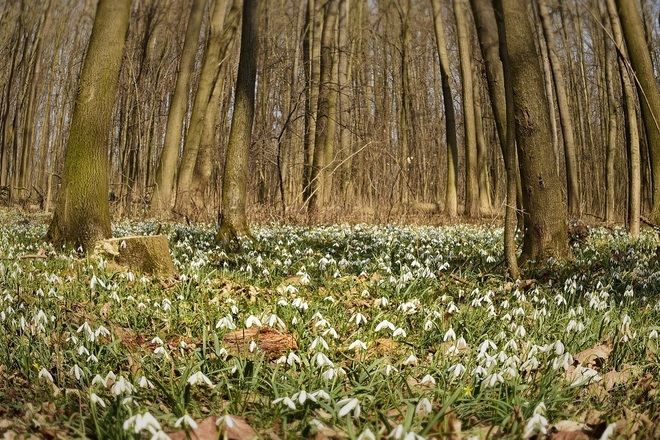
x: 149, y: 254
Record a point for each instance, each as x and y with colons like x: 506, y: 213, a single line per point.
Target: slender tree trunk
x: 510, y: 164
x: 647, y: 86
x: 162, y: 196
x: 234, y: 183
x: 82, y: 213
x: 325, y: 114
x: 546, y: 233
x: 469, y: 131
x: 610, y: 205
x: 565, y: 119
x: 207, y: 79
x: 632, y: 130
x: 312, y: 73
x: 451, y: 195
x: 345, y: 73
x: 482, y: 149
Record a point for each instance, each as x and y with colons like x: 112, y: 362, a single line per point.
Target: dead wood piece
x: 148, y: 254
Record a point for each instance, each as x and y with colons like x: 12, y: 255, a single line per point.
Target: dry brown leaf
x: 614, y: 378
x: 271, y: 342
x: 569, y: 430
x: 594, y: 357
x: 382, y: 347
x: 105, y: 310
x: 569, y: 435
x: 208, y: 430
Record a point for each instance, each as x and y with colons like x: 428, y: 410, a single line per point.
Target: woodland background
x: 388, y: 154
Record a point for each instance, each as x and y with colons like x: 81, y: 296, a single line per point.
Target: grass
x: 363, y: 332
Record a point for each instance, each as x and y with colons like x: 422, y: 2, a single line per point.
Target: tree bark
x: 320, y: 183
x: 546, y: 233
x: 632, y: 129
x: 647, y: 86
x: 162, y: 196
x: 469, y: 131
x: 82, y: 213
x: 234, y: 183
x: 451, y: 194
x: 610, y: 207
x: 565, y: 119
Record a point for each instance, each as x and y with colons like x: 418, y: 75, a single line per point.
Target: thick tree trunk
x: 234, y: 183
x: 162, y: 196
x: 647, y: 85
x: 82, y: 213
x: 546, y: 233
x: 451, y: 195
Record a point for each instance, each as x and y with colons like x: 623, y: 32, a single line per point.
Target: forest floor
x: 361, y: 331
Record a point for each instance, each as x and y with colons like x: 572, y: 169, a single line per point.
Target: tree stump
x: 149, y: 254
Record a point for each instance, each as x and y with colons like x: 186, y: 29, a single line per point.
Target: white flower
x: 423, y: 407
x: 331, y: 373
x: 388, y: 369
x: 43, y: 373
x: 77, y: 372
x: 366, y: 435
x: 399, y: 332
x: 139, y: 422
x: 160, y: 351
x: 357, y: 345
x: 225, y: 420
x: 346, y: 405
x: 97, y: 400
x: 320, y: 394
x: 157, y: 340
x: 160, y: 435
x: 322, y: 359
x: 450, y: 334
x: 252, y: 320
x: 538, y: 423
x: 199, y: 378
x: 226, y: 322
x: 653, y: 334
x: 457, y: 369
x: 494, y: 378
x: 186, y: 420
x: 385, y: 324
x: 358, y: 318
x: 143, y: 382
x: 411, y: 360
x: 122, y: 386
x: 428, y: 379
x: 286, y: 401
x: 317, y: 341
x: 608, y: 431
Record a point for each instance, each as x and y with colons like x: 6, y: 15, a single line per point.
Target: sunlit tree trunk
x: 234, y: 182
x: 451, y: 195
x: 82, y: 212
x: 546, y: 233
x: 162, y: 196
x: 610, y: 206
x: 565, y: 118
x: 320, y: 184
x: 469, y: 131
x: 647, y: 85
x: 632, y: 129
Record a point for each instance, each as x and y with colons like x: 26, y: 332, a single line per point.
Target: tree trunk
x: 467, y: 101
x: 207, y: 79
x: 451, y: 195
x: 565, y: 119
x: 162, y: 196
x: 610, y: 206
x: 546, y: 233
x: 82, y: 213
x: 632, y: 130
x: 234, y: 183
x: 320, y: 184
x: 312, y: 73
x: 649, y: 93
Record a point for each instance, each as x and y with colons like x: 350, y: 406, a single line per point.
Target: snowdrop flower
x: 225, y: 420
x: 199, y: 378
x: 320, y: 394
x: 322, y: 360
x: 97, y: 400
x: 479, y: 371
x: 366, y: 435
x: 157, y: 340
x: 608, y: 431
x: 586, y: 376
x: 399, y: 332
x: 122, y: 386
x: 357, y: 345
x: 452, y: 351
x: 331, y: 373
x: 538, y: 423
x: 226, y: 322
x: 449, y: 335
x: 88, y: 331
x: 389, y: 369
x: 252, y: 320
x: 143, y: 382
x: 428, y: 379
x: 411, y: 360
x: 82, y: 350
x: 381, y: 302
x: 428, y: 325
x: 332, y: 332
x: 358, y: 318
x: 186, y: 420
x: 346, y: 405
x: 653, y: 334
x: 160, y: 351
x: 139, y: 422
x: 565, y: 361
x: 43, y: 373
x: 77, y: 372
x: 493, y: 379
x: 286, y: 401
x: 384, y: 324
x: 160, y: 435
x: 423, y: 407
x: 453, y: 308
